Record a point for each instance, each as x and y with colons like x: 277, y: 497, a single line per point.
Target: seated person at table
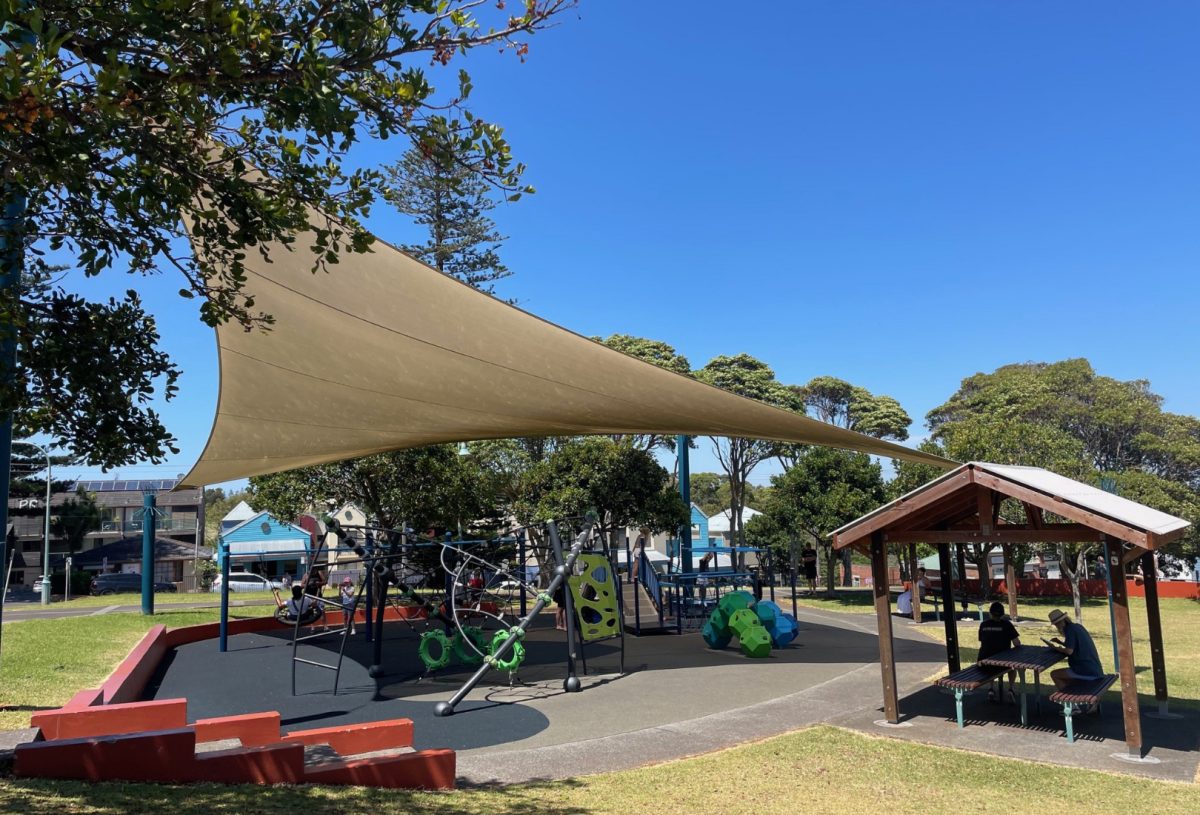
x: 1082, y: 660
x: 997, y: 634
x: 904, y: 601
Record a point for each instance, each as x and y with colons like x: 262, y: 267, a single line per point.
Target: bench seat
x: 968, y: 679
x: 1080, y: 692
x: 1084, y: 691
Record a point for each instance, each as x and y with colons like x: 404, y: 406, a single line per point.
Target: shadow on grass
x: 55, y: 797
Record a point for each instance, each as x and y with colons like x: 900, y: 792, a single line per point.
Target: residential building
x: 265, y: 545
x: 180, y: 518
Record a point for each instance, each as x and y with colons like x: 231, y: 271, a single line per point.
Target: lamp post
x: 46, y: 532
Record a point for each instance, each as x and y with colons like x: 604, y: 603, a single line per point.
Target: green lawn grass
x: 819, y: 770
x: 160, y: 599
x: 1181, y: 640
x: 45, y: 662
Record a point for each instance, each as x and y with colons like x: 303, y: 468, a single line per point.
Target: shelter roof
x: 383, y: 353
x: 963, y: 506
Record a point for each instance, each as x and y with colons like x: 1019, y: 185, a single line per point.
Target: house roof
x: 129, y: 549
x: 720, y: 522
x: 948, y: 509
x: 417, y: 358
x: 242, y: 512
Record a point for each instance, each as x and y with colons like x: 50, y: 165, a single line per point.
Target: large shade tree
x: 1067, y: 418
x: 445, y: 197
x: 824, y: 489
x: 752, y: 378
x: 623, y: 485
x: 123, y: 121
x: 853, y: 407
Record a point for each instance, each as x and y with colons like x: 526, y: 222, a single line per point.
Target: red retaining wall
x: 426, y: 769
x: 159, y: 756
x: 253, y: 729
x: 127, y: 682
x: 105, y: 734
x: 359, y: 738
x: 108, y: 720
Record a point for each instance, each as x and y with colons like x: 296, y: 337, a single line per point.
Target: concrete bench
x: 967, y: 680
x: 1081, y: 692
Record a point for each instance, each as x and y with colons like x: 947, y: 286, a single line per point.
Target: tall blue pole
x: 148, y: 553
x: 685, y: 492
x: 223, y: 639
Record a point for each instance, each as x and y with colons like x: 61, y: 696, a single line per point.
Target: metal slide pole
x: 370, y: 581
x: 524, y: 571
x: 571, y: 683
x: 560, y: 575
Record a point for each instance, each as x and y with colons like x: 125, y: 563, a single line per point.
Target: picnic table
x: 1036, y: 658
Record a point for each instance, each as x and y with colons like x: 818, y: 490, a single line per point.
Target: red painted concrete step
x: 392, y: 769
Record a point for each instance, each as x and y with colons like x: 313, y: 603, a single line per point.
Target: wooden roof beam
x: 1053, y: 533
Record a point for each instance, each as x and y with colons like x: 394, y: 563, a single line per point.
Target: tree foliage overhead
x: 1067, y: 418
x: 625, y: 486
x: 425, y: 488
x: 752, y: 378
x: 836, y: 401
x: 824, y: 489
x: 448, y: 199
x: 120, y: 121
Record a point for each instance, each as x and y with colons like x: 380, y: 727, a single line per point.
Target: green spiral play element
x: 429, y: 640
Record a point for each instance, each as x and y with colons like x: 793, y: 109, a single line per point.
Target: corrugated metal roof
x: 1088, y: 497
x: 1067, y: 490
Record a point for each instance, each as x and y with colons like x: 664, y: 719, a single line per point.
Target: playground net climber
x: 469, y: 620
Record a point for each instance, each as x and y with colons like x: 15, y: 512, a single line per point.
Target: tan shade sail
x: 384, y: 353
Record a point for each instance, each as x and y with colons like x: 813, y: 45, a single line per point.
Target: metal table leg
x: 1024, y: 697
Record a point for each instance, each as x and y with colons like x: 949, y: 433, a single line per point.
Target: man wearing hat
x: 1082, y: 660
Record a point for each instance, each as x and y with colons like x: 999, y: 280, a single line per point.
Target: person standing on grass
x: 809, y: 558
x: 1083, y: 662
x: 998, y: 634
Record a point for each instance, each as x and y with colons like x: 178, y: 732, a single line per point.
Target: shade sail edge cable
x: 469, y: 367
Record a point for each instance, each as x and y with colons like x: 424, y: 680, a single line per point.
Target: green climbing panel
x: 594, y: 595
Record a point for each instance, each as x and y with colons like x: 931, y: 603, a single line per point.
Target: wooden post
x: 1150, y: 580
x: 917, y: 615
x: 1124, y: 634
x: 883, y: 621
x: 953, y: 661
x: 1010, y: 581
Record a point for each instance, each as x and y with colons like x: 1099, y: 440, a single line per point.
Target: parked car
x: 247, y: 581
x: 123, y: 583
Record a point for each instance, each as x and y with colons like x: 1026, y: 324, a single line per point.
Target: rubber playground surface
x: 677, y: 698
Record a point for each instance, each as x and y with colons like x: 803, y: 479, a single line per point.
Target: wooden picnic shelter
x: 963, y: 506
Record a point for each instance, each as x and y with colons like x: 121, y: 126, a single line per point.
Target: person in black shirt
x: 996, y: 634
x: 809, y: 558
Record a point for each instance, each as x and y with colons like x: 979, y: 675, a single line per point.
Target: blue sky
x: 898, y: 194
